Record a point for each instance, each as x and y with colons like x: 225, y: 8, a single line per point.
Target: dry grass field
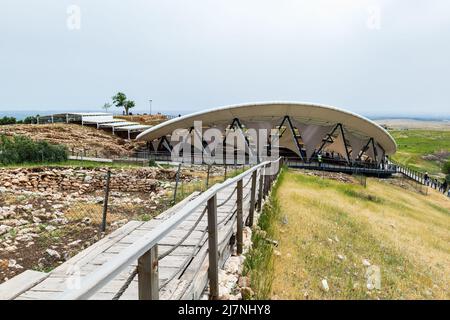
x: 336, y: 232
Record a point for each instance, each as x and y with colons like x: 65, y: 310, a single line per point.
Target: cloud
x: 192, y: 55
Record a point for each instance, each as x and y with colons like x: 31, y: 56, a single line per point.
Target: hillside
x: 423, y: 150
x: 152, y: 120
x: 334, y: 235
x: 77, y: 138
x: 413, y: 124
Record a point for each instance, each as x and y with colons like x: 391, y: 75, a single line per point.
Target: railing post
x: 213, y: 270
x: 260, y: 189
x: 240, y: 218
x: 266, y: 183
x: 148, y: 279
x: 251, y: 213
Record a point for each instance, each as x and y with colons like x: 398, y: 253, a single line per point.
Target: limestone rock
x: 53, y: 253
x: 325, y: 286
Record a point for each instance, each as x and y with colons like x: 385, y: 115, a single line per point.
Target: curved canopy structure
x: 305, y: 128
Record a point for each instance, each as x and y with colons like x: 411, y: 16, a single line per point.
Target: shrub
x: 30, y: 120
x: 7, y: 120
x: 446, y: 167
x: 20, y: 149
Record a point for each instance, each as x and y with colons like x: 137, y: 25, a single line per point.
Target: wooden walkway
x: 188, y: 261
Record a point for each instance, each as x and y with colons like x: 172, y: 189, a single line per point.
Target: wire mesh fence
x: 207, y: 177
x: 415, y: 185
x: 362, y: 179
x: 58, y: 212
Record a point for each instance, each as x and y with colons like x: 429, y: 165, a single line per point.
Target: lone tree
x: 106, y: 106
x: 128, y: 105
x: 120, y: 101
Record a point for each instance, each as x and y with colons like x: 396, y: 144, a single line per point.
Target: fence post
x: 260, y: 189
x: 105, y: 201
x: 213, y: 270
x: 225, y: 172
x: 148, y: 279
x: 251, y: 213
x: 207, y: 176
x: 177, y: 179
x: 240, y: 218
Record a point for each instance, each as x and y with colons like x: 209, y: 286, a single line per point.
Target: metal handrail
x: 90, y: 284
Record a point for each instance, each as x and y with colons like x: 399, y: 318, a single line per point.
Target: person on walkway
x: 319, y: 159
x: 444, y: 186
x: 426, y: 179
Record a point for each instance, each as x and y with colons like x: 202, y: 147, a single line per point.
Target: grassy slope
x: 404, y: 233
x: 413, y: 144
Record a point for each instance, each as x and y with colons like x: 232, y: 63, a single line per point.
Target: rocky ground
x: 440, y: 156
x: 338, y: 176
x: 145, y: 119
x: 78, y: 139
x: 47, y: 215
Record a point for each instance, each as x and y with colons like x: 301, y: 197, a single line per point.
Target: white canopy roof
x: 117, y: 124
x: 133, y: 128
x: 273, y: 112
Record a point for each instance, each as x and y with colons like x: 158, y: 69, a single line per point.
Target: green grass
x: 414, y: 144
x: 259, y: 262
x: 403, y: 233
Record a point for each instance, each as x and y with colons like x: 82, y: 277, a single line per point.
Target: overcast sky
x: 371, y: 57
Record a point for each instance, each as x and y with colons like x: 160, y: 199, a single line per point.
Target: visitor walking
x: 444, y: 187
x: 426, y: 179
x: 319, y: 159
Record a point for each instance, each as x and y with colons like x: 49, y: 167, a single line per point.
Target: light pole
x: 150, y: 101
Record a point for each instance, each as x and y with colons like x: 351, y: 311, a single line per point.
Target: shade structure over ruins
x: 305, y: 129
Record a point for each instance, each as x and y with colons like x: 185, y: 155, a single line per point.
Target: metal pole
x: 150, y: 101
x: 207, y: 176
x: 177, y: 179
x: 213, y: 270
x: 105, y: 202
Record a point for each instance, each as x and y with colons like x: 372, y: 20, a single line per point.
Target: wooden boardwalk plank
x: 190, y: 282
